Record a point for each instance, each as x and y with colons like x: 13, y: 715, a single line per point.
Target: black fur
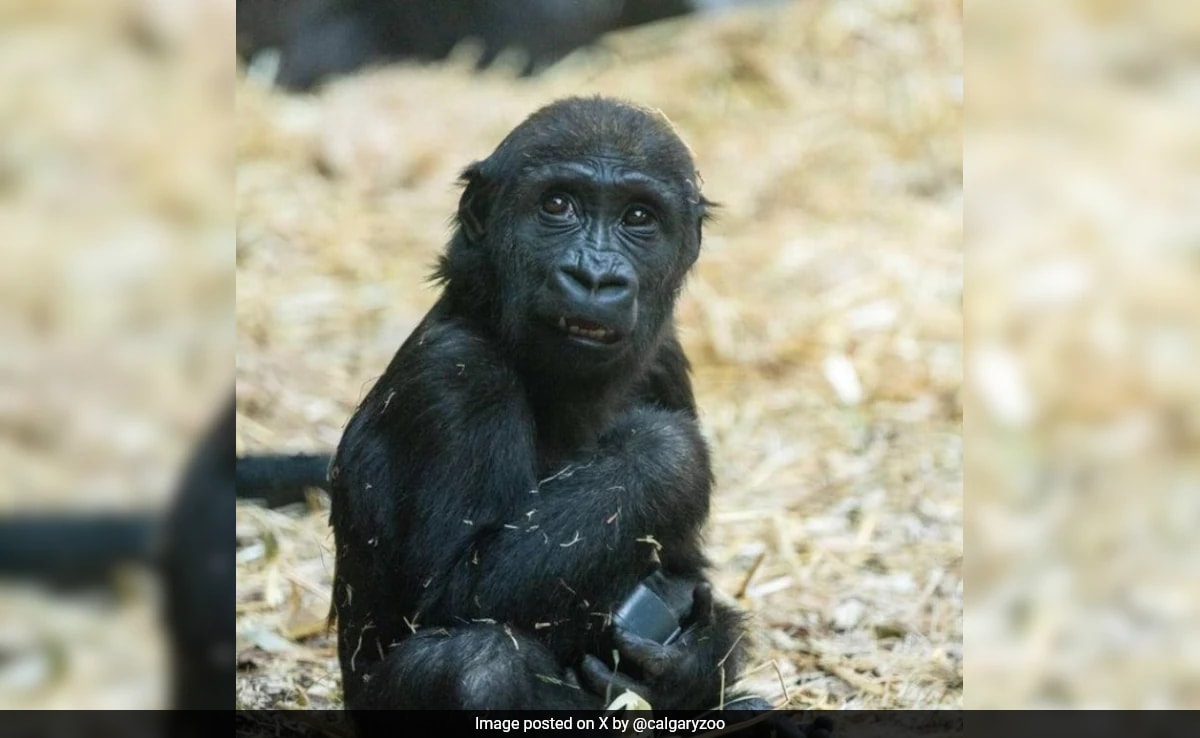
x: 504, y: 486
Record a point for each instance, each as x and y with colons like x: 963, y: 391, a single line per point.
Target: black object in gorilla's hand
x: 656, y: 608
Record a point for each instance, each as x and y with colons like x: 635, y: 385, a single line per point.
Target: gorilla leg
x: 473, y: 667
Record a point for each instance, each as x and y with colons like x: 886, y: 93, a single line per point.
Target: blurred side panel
x: 116, y: 311
x: 1083, y: 394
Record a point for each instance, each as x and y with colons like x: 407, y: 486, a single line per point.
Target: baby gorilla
x: 532, y: 452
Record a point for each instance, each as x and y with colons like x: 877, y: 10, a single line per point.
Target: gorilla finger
x: 594, y: 674
x: 651, y: 657
x: 702, y: 605
x: 598, y: 679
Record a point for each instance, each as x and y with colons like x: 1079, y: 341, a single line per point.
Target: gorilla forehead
x: 596, y: 128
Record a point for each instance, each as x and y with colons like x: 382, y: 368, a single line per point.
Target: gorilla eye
x: 556, y: 205
x: 637, y: 216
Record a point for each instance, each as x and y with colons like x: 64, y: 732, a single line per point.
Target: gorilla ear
x: 708, y: 210
x: 475, y: 202
x: 705, y: 208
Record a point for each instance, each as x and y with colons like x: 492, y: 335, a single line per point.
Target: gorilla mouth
x: 587, y: 329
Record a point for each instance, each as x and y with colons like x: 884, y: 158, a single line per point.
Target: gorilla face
x: 576, y: 234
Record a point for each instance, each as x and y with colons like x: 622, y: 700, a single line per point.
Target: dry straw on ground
x: 823, y: 320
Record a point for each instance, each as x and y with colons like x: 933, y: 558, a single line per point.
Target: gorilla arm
x: 433, y: 517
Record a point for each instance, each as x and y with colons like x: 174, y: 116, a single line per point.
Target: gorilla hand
x: 664, y: 675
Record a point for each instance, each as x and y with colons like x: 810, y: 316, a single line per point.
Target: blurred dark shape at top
x: 319, y: 39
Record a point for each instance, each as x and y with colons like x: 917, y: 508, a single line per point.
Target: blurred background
x: 823, y: 319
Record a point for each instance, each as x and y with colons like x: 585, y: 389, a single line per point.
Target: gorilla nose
x: 584, y: 283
